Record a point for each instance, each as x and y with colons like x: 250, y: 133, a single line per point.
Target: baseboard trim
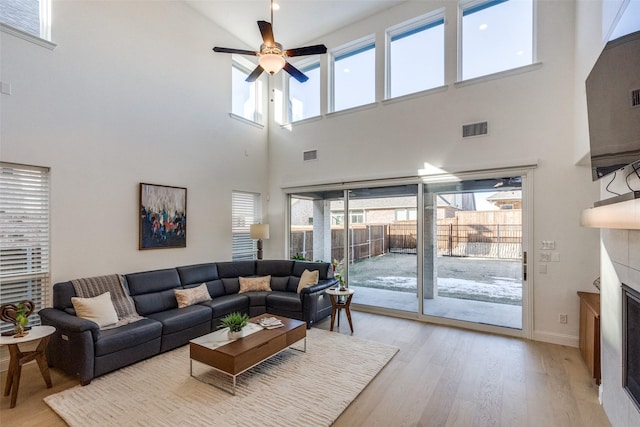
x: 555, y: 338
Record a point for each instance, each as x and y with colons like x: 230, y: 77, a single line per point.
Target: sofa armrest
x: 319, y: 287
x: 67, y: 322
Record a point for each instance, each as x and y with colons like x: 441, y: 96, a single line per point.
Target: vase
x: 234, y: 335
x: 19, y: 331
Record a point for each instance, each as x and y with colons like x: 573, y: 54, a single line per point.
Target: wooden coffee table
x: 235, y: 357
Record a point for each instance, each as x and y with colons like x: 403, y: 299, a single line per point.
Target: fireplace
x: 631, y: 343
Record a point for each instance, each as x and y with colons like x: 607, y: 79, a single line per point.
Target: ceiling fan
x: 272, y: 57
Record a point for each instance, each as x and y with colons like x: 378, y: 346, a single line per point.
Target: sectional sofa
x: 82, y: 349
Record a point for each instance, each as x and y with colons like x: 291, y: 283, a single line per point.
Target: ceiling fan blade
x: 267, y: 33
x: 254, y: 74
x: 295, y: 73
x: 307, y: 50
x: 238, y: 51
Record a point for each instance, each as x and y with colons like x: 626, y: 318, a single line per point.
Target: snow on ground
x: 458, y: 278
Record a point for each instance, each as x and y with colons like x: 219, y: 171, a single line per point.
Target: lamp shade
x: 271, y: 62
x: 259, y: 231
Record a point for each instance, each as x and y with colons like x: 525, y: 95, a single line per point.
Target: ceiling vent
x: 635, y: 98
x: 310, y: 155
x: 475, y: 129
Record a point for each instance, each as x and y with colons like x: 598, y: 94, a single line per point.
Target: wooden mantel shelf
x: 622, y: 215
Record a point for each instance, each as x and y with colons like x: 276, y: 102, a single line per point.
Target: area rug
x: 290, y: 389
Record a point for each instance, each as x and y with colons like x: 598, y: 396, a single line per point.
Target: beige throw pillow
x: 308, y: 278
x: 97, y: 309
x: 250, y: 284
x: 187, y: 297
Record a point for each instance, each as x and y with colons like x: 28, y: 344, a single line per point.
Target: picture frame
x: 163, y: 217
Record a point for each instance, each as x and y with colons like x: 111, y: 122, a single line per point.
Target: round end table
x: 19, y: 358
x: 338, y: 303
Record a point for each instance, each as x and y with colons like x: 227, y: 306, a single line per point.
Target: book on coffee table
x: 270, y: 323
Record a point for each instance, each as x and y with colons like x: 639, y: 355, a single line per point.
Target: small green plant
x: 22, y: 312
x: 299, y: 257
x: 235, y: 321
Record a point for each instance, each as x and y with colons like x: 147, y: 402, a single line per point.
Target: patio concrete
x: 490, y: 313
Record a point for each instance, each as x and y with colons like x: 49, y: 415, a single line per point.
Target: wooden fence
x: 502, y: 241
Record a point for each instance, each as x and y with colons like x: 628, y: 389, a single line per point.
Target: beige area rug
x: 290, y: 389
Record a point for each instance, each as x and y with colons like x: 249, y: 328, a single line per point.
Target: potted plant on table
x: 22, y: 318
x: 235, y: 322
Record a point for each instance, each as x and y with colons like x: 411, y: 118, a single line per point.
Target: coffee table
x: 233, y: 357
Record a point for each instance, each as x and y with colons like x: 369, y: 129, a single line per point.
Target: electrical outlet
x: 563, y: 318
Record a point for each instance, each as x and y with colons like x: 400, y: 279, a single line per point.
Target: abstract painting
x: 163, y: 216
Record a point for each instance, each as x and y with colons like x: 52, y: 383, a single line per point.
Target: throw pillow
x: 97, y: 309
x: 250, y: 284
x: 187, y: 297
x: 308, y: 278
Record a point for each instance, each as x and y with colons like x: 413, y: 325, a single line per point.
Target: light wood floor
x: 440, y: 377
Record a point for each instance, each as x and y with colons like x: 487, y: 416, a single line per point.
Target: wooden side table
x: 19, y: 358
x: 338, y: 304
x: 590, y: 332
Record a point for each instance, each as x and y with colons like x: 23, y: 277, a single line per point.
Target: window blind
x: 245, y: 210
x: 24, y: 236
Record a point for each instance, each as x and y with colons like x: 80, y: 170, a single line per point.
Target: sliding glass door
x: 449, y: 250
x: 473, y: 257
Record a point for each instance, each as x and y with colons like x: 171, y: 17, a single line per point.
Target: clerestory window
x: 416, y: 55
x: 497, y: 35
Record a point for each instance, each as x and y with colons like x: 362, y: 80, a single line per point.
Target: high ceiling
x: 295, y: 24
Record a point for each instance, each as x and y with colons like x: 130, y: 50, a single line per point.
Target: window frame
x: 350, y: 49
x: 303, y: 66
x: 25, y: 214
x: 406, y: 29
x: 477, y: 6
x: 245, y: 66
x: 43, y: 38
x: 247, y: 205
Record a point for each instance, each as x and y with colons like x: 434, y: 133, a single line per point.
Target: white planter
x: 236, y: 335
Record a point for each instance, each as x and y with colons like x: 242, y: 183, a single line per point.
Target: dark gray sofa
x: 81, y: 349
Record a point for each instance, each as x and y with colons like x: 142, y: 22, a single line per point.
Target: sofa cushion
x: 193, y: 295
x: 155, y: 302
x: 308, y: 278
x: 231, y: 285
x: 198, y: 273
x: 98, y: 309
x: 289, y: 301
x: 236, y: 269
x: 153, y: 281
x: 279, y: 283
x: 216, y: 288
x: 250, y: 284
x: 322, y: 267
x: 274, y: 268
x: 224, y: 305
x: 180, y: 319
x: 258, y: 298
x: 127, y: 336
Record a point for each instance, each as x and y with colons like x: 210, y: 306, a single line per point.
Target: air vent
x: 475, y: 129
x: 635, y: 98
x: 310, y: 155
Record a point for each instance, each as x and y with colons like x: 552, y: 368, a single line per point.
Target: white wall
x: 132, y: 93
x: 530, y: 115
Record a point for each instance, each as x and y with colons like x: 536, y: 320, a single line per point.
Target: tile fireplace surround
x: 619, y: 263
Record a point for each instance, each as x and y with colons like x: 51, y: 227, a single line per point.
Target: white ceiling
x: 294, y: 25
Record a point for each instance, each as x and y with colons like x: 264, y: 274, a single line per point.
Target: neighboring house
x: 507, y: 199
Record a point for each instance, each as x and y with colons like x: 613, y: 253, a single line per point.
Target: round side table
x: 338, y: 303
x: 19, y: 358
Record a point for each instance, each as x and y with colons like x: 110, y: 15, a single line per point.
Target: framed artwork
x: 163, y: 216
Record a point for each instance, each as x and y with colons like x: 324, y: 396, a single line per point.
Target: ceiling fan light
x: 271, y: 63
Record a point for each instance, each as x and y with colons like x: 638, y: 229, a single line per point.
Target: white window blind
x: 24, y: 236
x: 245, y: 210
